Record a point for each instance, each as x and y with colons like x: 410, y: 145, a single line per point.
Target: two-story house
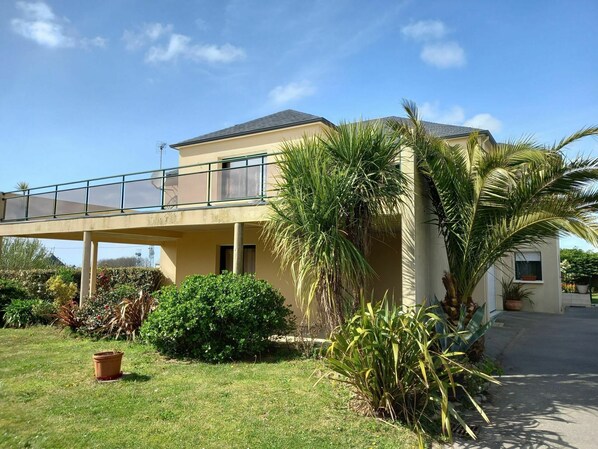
x: 207, y: 215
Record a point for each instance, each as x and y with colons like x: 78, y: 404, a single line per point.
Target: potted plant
x: 107, y: 365
x: 582, y: 284
x: 513, y: 295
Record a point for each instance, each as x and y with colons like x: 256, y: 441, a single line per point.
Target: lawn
x: 50, y: 400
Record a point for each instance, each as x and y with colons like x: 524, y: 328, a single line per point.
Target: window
x: 243, y: 178
x: 528, y: 266
x: 226, y: 259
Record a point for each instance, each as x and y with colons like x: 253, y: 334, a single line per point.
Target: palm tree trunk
x: 452, y: 307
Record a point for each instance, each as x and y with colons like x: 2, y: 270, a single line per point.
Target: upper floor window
x: 243, y: 178
x: 528, y: 266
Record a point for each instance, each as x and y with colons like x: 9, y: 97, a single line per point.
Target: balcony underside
x: 147, y: 228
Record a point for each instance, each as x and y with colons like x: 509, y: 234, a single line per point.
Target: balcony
x: 247, y: 180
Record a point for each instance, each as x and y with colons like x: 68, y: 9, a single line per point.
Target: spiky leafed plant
x: 335, y: 191
x: 491, y: 199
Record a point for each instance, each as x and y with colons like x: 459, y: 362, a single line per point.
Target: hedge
x: 34, y: 281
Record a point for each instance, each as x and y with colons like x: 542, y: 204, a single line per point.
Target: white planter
x: 582, y: 288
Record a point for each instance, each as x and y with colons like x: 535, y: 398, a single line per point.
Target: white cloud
x: 443, y: 55
x: 149, y: 32
x: 456, y: 116
x: 432, y: 112
x: 425, y: 30
x: 169, y: 46
x: 39, y: 24
x: 484, y: 121
x: 36, y: 10
x: 290, y: 92
x: 181, y: 46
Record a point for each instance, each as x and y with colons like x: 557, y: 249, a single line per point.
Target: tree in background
x: 24, y: 254
x: 124, y: 262
x: 578, y: 266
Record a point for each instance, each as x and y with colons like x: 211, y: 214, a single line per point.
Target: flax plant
x: 394, y: 362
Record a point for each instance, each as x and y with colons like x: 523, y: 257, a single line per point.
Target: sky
x: 90, y: 89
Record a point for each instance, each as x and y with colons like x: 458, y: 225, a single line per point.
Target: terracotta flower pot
x: 514, y: 305
x: 107, y: 365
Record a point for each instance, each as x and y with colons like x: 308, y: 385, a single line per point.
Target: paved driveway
x: 549, y: 396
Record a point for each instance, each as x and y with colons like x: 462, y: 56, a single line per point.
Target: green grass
x: 49, y: 399
x: 594, y: 298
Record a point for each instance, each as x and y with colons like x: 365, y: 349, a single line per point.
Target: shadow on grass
x: 135, y: 377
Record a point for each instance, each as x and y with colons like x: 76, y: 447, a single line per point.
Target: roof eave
x: 480, y: 131
x: 187, y: 143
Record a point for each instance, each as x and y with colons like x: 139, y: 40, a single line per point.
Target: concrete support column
x: 238, y: 249
x: 85, y: 267
x: 94, y: 267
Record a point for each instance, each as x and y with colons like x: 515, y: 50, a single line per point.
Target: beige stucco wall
x: 546, y: 293
x: 193, y: 188
x: 198, y: 252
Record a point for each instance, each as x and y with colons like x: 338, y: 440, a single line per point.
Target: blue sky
x: 90, y: 88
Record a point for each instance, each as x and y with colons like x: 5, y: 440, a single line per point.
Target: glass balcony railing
x: 227, y: 182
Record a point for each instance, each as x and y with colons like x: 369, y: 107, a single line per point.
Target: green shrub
x: 26, y: 312
x: 217, y: 317
x: 63, y: 291
x: 35, y: 281
x: 10, y: 290
x: 393, y: 360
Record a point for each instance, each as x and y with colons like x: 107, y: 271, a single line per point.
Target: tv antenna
x: 160, y: 147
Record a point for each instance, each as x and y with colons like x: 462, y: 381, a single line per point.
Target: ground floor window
x: 226, y: 258
x: 528, y: 266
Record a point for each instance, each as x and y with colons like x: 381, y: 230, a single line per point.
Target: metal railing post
x: 3, y: 208
x: 27, y: 205
x: 263, y: 179
x: 209, y: 184
x: 87, y: 199
x: 163, y: 187
x: 55, y: 200
x: 122, y: 196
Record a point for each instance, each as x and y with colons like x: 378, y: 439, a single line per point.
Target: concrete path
x: 549, y: 392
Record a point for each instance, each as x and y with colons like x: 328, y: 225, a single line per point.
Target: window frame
x: 222, y: 258
x: 225, y: 168
x: 533, y: 256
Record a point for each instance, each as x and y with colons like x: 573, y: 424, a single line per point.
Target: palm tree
x: 490, y: 199
x: 335, y: 191
x: 23, y: 186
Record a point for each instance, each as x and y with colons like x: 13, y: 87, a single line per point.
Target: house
x: 207, y: 215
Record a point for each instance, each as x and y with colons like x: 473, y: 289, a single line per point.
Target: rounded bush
x: 217, y: 317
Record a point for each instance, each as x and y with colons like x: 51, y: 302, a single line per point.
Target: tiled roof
x: 288, y: 118
x: 441, y: 129
x: 283, y: 119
